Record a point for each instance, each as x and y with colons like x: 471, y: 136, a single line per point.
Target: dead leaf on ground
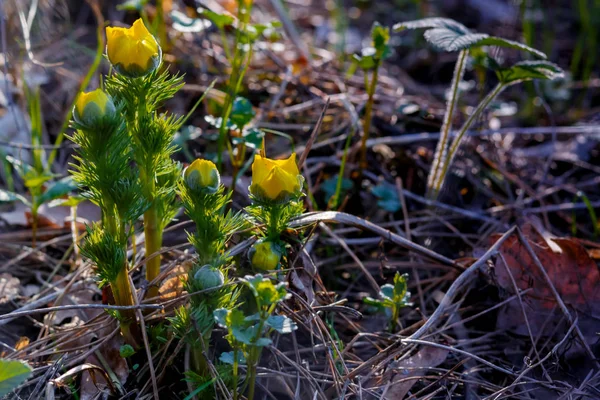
x: 405, y: 374
x: 173, y: 285
x: 572, y: 271
x: 91, y: 386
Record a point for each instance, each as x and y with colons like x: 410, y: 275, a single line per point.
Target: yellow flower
x: 202, y: 175
x: 265, y: 255
x: 93, y: 106
x: 275, y: 179
x: 134, y: 52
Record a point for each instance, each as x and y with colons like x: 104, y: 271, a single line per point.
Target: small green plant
x: 449, y: 35
x: 205, y: 201
x: 239, y: 55
x: 249, y: 334
x: 392, y: 298
x: 12, y: 374
x: 37, y: 176
x: 370, y: 60
x: 104, y: 173
x: 276, y: 194
x: 142, y: 88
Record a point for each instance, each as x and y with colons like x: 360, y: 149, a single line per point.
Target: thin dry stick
x: 146, y: 343
x: 343, y: 218
x: 313, y: 135
x: 520, y: 299
x: 16, y: 314
x: 365, y: 271
x: 458, y: 284
x: 559, y: 300
x: 554, y: 350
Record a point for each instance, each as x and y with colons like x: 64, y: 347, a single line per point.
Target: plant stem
x: 442, y: 146
x: 235, y: 373
x: 34, y: 226
x: 368, y: 113
x: 153, y: 242
x: 458, y: 139
x: 124, y: 297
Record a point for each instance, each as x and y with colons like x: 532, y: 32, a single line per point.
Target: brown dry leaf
x: 568, y: 264
x: 173, y: 285
x: 91, y: 386
x: 405, y: 374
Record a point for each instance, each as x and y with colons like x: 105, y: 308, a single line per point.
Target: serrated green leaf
x: 58, y: 189
x: 21, y: 167
x: 386, y: 292
x: 388, y: 197
x: 126, y: 351
x: 71, y: 201
x: 241, y: 112
x: 528, y: 70
x: 380, y: 36
x: 252, y: 137
x: 265, y: 292
x: 7, y: 196
x: 449, y: 40
x: 12, y: 374
x: 449, y: 35
x: 227, y: 357
x: 429, y: 23
x: 281, y: 323
x: 220, y: 20
x: 330, y: 186
x: 35, y: 181
x: 400, y: 287
x: 263, y: 342
x: 500, y: 42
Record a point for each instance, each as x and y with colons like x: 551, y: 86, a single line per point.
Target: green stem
x: 442, y: 146
x: 153, y: 242
x: 34, y: 225
x: 437, y: 185
x: 124, y: 297
x: 235, y: 373
x: 368, y: 113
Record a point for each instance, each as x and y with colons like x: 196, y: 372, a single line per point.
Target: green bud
x: 92, y: 107
x: 202, y: 175
x: 265, y: 255
x: 209, y: 277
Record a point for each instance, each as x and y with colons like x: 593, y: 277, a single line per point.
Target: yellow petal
x: 133, y: 46
x: 277, y: 182
x: 97, y: 97
x: 138, y: 30
x: 289, y: 164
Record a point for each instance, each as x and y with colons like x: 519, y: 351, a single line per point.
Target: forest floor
x: 502, y: 267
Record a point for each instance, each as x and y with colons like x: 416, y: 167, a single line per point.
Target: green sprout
x: 392, y: 298
x: 370, y: 60
x: 249, y: 334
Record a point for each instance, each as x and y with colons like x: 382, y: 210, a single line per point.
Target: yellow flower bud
x: 202, y: 175
x: 265, y: 255
x: 275, y: 180
x: 134, y: 52
x: 93, y: 106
